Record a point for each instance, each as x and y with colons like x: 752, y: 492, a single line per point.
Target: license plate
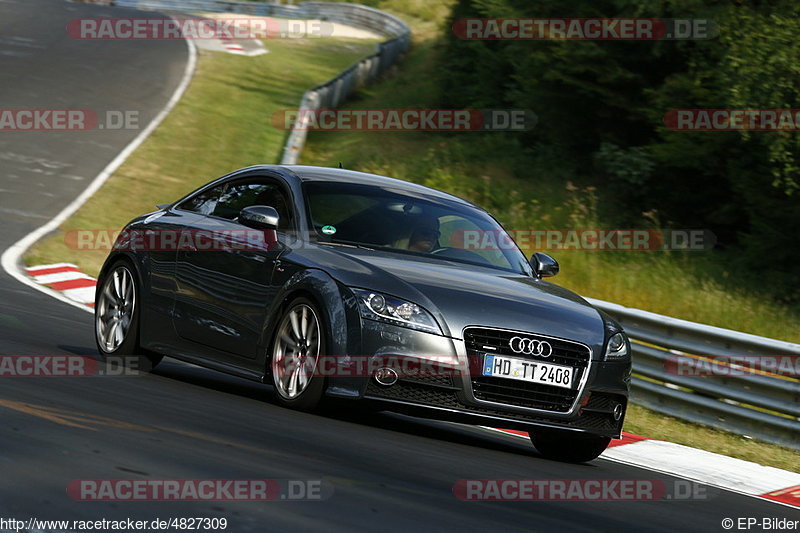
x: 527, y: 370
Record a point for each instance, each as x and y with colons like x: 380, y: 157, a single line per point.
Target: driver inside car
x: 425, y: 236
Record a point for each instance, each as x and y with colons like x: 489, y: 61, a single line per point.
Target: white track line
x: 11, y: 259
x: 82, y: 295
x: 712, y: 469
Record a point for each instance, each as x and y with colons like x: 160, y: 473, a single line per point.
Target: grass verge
x: 222, y: 123
x: 645, y: 422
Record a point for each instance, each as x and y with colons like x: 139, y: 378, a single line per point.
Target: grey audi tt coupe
x: 329, y: 283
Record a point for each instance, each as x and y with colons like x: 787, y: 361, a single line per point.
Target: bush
x: 601, y: 106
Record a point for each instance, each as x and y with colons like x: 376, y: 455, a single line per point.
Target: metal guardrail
x: 335, y: 91
x: 759, y: 405
x: 213, y: 6
x: 350, y: 14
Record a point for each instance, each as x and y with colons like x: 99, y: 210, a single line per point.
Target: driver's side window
x: 245, y: 194
x: 227, y: 201
x: 205, y: 202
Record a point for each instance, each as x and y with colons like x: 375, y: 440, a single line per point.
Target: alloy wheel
x: 115, y: 307
x: 296, y: 351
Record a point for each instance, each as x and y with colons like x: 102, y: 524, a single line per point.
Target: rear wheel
x: 299, y: 341
x: 568, y: 446
x: 116, y: 316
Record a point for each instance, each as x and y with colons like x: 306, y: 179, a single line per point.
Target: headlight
x: 617, y: 346
x: 385, y: 308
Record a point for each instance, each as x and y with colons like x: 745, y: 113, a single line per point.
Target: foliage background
x: 601, y: 104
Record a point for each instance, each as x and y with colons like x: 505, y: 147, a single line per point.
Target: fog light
x: 385, y: 376
x: 618, y: 412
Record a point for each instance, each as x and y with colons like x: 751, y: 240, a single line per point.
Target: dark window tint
x: 205, y: 202
x: 241, y: 195
x: 410, y: 221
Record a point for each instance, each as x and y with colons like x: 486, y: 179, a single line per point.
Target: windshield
x: 401, y: 221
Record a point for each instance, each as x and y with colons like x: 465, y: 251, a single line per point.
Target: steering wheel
x: 457, y: 253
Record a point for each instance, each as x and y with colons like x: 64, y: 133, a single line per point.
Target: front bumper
x: 448, y: 393
x: 430, y: 399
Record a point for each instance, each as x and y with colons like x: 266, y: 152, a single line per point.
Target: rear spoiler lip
x: 163, y: 206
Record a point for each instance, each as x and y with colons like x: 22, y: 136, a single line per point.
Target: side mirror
x: 259, y: 217
x: 543, y: 265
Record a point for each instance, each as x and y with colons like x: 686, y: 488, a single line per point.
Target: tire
x: 116, y: 318
x: 569, y: 447
x: 299, y: 340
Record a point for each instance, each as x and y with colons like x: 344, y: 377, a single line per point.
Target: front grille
x: 431, y: 380
x: 426, y: 396
x: 418, y: 393
x: 480, y: 341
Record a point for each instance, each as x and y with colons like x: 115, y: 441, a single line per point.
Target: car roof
x: 340, y: 175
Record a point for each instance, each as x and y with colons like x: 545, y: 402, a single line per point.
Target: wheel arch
x: 112, y: 258
x: 340, y: 317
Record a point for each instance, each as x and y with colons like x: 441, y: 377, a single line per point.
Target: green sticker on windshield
x: 328, y: 230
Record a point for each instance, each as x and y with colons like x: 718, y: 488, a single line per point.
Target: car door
x: 224, y: 274
x: 159, y: 281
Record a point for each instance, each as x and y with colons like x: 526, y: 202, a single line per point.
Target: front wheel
x: 569, y: 446
x: 299, y: 341
x: 116, y: 317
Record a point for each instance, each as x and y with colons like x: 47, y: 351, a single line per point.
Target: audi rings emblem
x: 530, y: 346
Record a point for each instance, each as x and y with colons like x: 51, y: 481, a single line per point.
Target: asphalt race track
x: 386, y: 472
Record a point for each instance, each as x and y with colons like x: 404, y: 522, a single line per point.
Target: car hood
x: 461, y: 295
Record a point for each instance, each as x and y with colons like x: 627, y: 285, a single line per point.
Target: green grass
x: 223, y: 122
x: 642, y: 421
